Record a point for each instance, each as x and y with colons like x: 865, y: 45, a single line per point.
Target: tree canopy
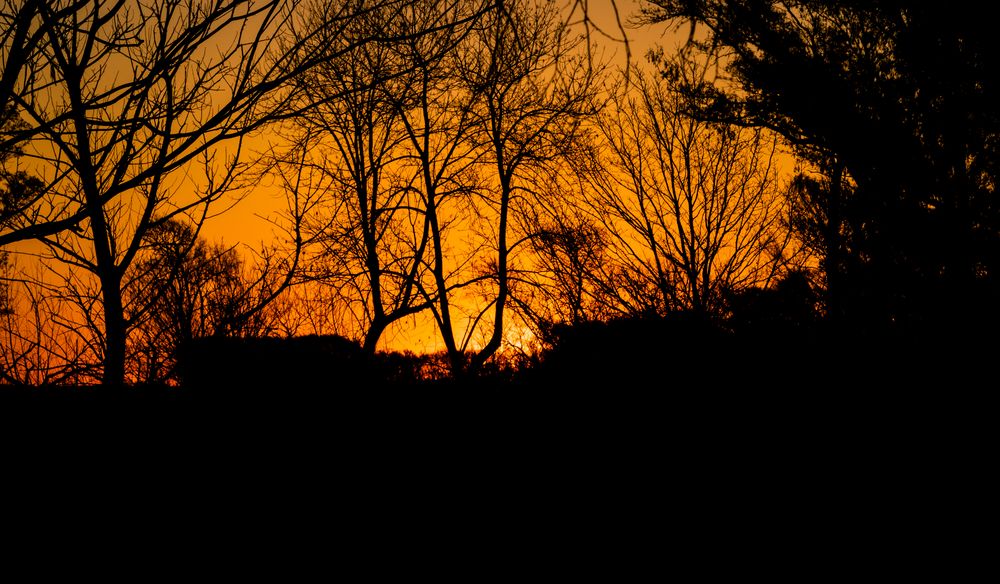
x: 895, y: 106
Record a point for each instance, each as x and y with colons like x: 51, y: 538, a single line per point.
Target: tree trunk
x: 115, y: 332
x: 493, y: 345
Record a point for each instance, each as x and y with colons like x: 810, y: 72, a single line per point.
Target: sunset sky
x: 592, y: 172
x: 243, y: 223
x: 246, y: 224
x: 275, y: 192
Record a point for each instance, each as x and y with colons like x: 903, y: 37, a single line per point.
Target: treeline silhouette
x: 483, y: 170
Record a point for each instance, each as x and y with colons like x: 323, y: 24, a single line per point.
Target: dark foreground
x: 609, y: 472
x: 676, y: 399
x: 674, y: 379
x: 905, y: 407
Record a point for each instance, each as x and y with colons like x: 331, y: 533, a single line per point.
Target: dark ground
x: 635, y: 399
x: 603, y: 472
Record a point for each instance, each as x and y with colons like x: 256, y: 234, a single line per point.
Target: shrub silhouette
x: 313, y: 362
x: 631, y: 353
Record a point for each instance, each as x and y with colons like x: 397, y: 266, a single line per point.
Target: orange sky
x: 243, y: 223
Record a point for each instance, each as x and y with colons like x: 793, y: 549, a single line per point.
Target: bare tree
x: 192, y: 79
x: 478, y: 107
x: 311, y: 308
x: 24, y: 26
x: 188, y: 289
x: 533, y: 86
x: 574, y: 276
x: 696, y: 208
x: 436, y: 116
x: 571, y: 262
x: 4, y: 283
x: 40, y: 343
x: 345, y: 164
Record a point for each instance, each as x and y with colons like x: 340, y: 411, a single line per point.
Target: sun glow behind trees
x: 478, y: 135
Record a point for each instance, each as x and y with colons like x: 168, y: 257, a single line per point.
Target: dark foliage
x: 634, y: 354
x: 308, y: 365
x: 18, y: 189
x: 897, y: 104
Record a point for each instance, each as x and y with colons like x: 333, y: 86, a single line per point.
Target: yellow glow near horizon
x: 244, y: 223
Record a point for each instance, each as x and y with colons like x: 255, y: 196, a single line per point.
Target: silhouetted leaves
x: 897, y: 104
x: 18, y: 189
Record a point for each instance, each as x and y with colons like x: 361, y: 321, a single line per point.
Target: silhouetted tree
x: 896, y: 103
x: 693, y: 207
x: 193, y: 79
x: 436, y: 115
x: 108, y: 143
x: 308, y: 308
x: 40, y: 344
x: 673, y: 355
x: 7, y: 361
x: 570, y: 257
x: 815, y: 214
x: 184, y: 288
x: 533, y: 87
x: 786, y: 312
x: 364, y: 216
x: 4, y: 284
x: 15, y: 188
x: 24, y: 28
x: 18, y: 189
